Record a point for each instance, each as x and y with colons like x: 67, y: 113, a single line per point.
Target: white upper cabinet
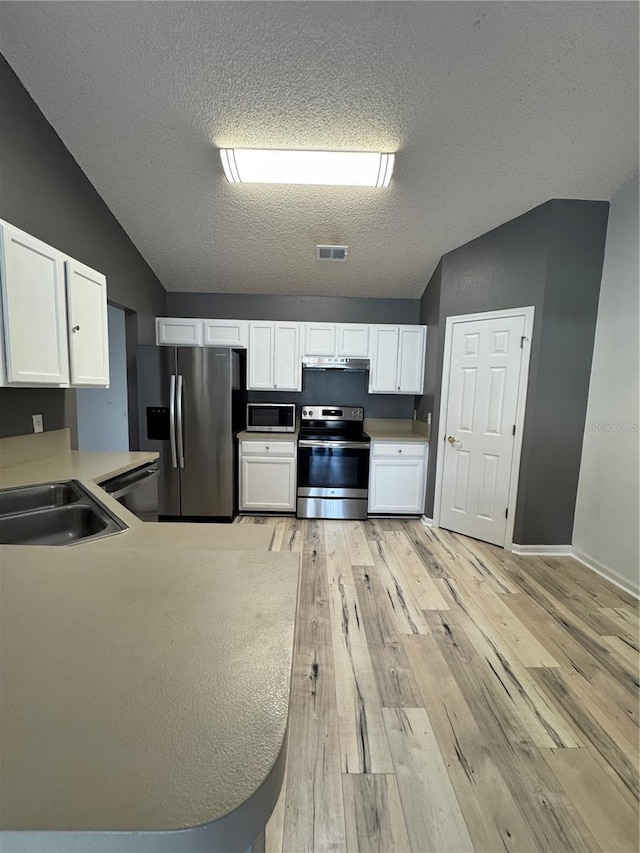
x: 274, y: 356
x: 336, y: 339
x: 88, y: 329
x: 34, y: 311
x: 353, y: 340
x: 179, y: 332
x: 397, y: 359
x: 54, y: 315
x: 411, y: 354
x: 225, y: 333
x: 319, y: 339
x: 287, y: 362
x: 383, y: 371
x: 261, y: 349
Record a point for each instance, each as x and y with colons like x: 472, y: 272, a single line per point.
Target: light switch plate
x: 37, y: 423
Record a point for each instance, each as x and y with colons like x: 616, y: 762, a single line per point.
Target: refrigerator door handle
x: 172, y: 421
x: 180, y: 425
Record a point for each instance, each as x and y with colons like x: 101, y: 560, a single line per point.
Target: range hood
x: 325, y: 362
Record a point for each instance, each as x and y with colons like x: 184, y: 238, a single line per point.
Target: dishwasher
x: 137, y: 490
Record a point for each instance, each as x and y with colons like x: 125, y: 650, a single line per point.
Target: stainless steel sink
x: 53, y: 514
x: 42, y: 496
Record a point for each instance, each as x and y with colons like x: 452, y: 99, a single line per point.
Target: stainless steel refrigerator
x: 191, y: 403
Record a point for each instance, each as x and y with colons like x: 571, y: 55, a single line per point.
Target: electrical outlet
x: 37, y: 423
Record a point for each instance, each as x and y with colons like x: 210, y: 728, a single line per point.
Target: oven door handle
x: 347, y: 445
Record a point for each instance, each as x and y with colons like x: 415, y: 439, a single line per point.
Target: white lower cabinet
x: 268, y: 476
x: 398, y: 477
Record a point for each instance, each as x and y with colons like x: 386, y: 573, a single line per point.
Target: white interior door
x: 480, y: 420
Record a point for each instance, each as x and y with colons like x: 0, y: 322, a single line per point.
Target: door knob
x: 452, y: 439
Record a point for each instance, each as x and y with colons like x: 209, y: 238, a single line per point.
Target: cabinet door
x: 225, y: 333
x: 287, y: 363
x: 353, y: 340
x: 88, y: 330
x: 319, y: 339
x: 261, y: 348
x: 178, y: 332
x: 397, y: 486
x: 411, y: 354
x: 383, y: 372
x: 34, y: 311
x: 267, y: 484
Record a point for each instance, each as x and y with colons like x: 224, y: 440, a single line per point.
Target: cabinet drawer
x: 409, y: 450
x: 268, y: 448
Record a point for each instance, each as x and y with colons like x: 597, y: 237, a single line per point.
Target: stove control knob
x: 304, y: 413
x: 310, y: 413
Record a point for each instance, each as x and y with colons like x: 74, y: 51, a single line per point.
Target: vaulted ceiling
x: 492, y: 109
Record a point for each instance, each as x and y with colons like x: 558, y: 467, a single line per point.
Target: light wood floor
x: 450, y: 696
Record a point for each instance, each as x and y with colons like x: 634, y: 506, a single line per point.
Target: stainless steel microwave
x: 271, y: 417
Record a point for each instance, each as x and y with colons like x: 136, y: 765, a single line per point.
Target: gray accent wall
x: 331, y: 309
x: 341, y: 388
x: 551, y: 258
x: 44, y: 192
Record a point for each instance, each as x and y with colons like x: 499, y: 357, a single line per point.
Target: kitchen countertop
x: 145, y: 680
x: 379, y: 429
x: 245, y: 435
x: 391, y: 430
x: 91, y: 468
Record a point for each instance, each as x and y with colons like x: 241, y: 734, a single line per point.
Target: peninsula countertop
x: 145, y: 680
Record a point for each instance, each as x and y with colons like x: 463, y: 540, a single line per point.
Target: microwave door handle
x: 172, y: 421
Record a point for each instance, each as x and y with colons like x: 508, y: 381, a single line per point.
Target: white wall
x: 103, y: 419
x: 607, y: 508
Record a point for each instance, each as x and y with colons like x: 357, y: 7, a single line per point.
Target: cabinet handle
x: 398, y: 388
x: 400, y: 451
x: 267, y: 446
x: 76, y: 329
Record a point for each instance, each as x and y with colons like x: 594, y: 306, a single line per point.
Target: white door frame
x: 528, y: 314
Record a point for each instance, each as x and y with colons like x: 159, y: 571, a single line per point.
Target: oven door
x: 333, y: 469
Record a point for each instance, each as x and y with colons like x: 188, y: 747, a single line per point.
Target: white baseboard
x: 592, y: 563
x: 605, y: 571
x: 548, y: 550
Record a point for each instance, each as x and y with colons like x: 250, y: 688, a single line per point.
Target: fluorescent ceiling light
x: 329, y: 168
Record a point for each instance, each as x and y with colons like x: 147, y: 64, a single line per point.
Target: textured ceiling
x: 493, y: 108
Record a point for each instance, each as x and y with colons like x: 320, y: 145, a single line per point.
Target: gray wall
x: 331, y: 386
x: 44, y: 192
x: 331, y: 309
x: 551, y: 258
x: 430, y: 317
x: 608, y: 502
x: 341, y: 388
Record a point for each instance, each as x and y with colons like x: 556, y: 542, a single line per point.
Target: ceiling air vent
x: 332, y: 253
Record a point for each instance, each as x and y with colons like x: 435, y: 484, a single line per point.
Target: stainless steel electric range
x: 333, y: 463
